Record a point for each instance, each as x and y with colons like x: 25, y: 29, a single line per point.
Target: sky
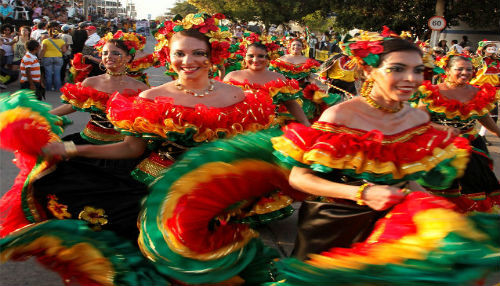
x: 153, y: 7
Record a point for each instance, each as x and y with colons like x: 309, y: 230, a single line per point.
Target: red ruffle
x: 80, y: 94
x: 486, y: 95
x: 310, y: 63
x: 82, y: 69
x: 274, y: 84
x: 143, y: 62
x: 11, y: 210
x: 256, y: 109
x: 408, y: 146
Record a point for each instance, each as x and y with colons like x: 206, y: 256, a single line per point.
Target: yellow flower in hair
x: 368, y: 36
x: 219, y: 36
x: 190, y: 21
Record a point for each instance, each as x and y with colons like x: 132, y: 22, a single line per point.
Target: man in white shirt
x: 93, y: 36
x: 456, y: 47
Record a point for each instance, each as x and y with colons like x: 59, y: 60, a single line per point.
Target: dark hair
x: 455, y: 59
x: 398, y: 45
x: 32, y: 45
x: 41, y: 25
x: 454, y: 41
x: 193, y: 33
x: 259, y: 46
x: 5, y: 26
x: 121, y: 45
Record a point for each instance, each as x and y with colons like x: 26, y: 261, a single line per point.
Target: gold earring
x: 102, y: 67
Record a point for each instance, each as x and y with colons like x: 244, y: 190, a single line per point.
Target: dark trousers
x: 39, y: 90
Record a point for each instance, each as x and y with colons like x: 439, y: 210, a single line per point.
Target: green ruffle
x: 248, y: 146
x: 457, y: 261
x: 456, y: 118
x: 130, y: 267
x: 291, y: 75
x: 309, y: 108
x: 142, y: 177
x: 281, y: 97
x: 26, y: 98
x: 332, y: 99
x: 439, y: 178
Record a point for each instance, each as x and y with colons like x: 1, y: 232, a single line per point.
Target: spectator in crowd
x: 465, y: 42
x: 313, y: 41
x: 20, y: 46
x: 90, y: 53
x: 323, y: 43
x: 52, y: 52
x: 468, y: 51
x: 456, y: 47
x: 442, y: 44
x: 92, y: 39
x: 79, y: 37
x: 37, y: 10
x: 6, y: 12
x: 66, y: 37
x: 8, y: 42
x: 30, y: 70
x: 40, y: 29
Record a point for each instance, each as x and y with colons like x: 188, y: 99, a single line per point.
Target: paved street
x: 30, y: 273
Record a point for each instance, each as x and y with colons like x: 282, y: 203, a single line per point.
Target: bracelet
x: 70, y: 148
x: 405, y: 191
x: 359, y: 193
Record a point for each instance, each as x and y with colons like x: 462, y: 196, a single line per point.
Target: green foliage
x: 183, y: 8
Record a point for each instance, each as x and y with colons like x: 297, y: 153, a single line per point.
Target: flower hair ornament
x: 272, y: 43
x: 291, y: 40
x: 366, y: 48
x: 133, y: 41
x: 219, y: 36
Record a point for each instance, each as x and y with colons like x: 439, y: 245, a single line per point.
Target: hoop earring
x: 102, y: 67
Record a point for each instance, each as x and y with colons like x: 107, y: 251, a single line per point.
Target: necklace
x: 116, y: 73
x: 203, y: 93
x: 452, y: 84
x: 365, y: 92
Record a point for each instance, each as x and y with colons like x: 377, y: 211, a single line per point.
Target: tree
x: 183, y: 8
x: 412, y: 15
x: 269, y: 12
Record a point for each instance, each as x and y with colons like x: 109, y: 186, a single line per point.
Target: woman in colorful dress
x: 256, y: 76
x: 170, y: 119
x: 89, y: 96
x: 458, y: 105
x: 296, y: 66
x: 364, y: 157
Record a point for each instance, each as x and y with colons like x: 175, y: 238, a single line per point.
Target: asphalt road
x: 30, y: 273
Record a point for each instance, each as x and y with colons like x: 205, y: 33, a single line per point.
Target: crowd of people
x: 170, y: 184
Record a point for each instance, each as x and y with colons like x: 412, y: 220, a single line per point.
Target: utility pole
x: 86, y: 9
x: 439, y: 12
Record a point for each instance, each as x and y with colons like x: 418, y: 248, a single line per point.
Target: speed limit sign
x: 437, y: 23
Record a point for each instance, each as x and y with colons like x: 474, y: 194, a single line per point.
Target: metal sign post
x: 436, y: 24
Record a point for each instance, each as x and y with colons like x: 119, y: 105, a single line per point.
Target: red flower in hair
x: 219, y: 16
x: 364, y: 48
x: 207, y: 26
x: 118, y: 34
x: 220, y: 51
x: 253, y: 38
x: 386, y: 32
x: 168, y: 28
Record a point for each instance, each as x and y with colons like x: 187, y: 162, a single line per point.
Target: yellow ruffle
x: 87, y: 104
x: 452, y: 114
x: 430, y: 232
x: 80, y: 257
x: 482, y: 78
x: 20, y: 113
x: 361, y: 164
x: 284, y: 89
x: 142, y: 125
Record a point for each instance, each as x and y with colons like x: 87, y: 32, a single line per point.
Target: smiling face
x: 460, y: 72
x: 114, y: 58
x: 256, y: 59
x: 398, y: 76
x: 296, y: 48
x: 189, y: 57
